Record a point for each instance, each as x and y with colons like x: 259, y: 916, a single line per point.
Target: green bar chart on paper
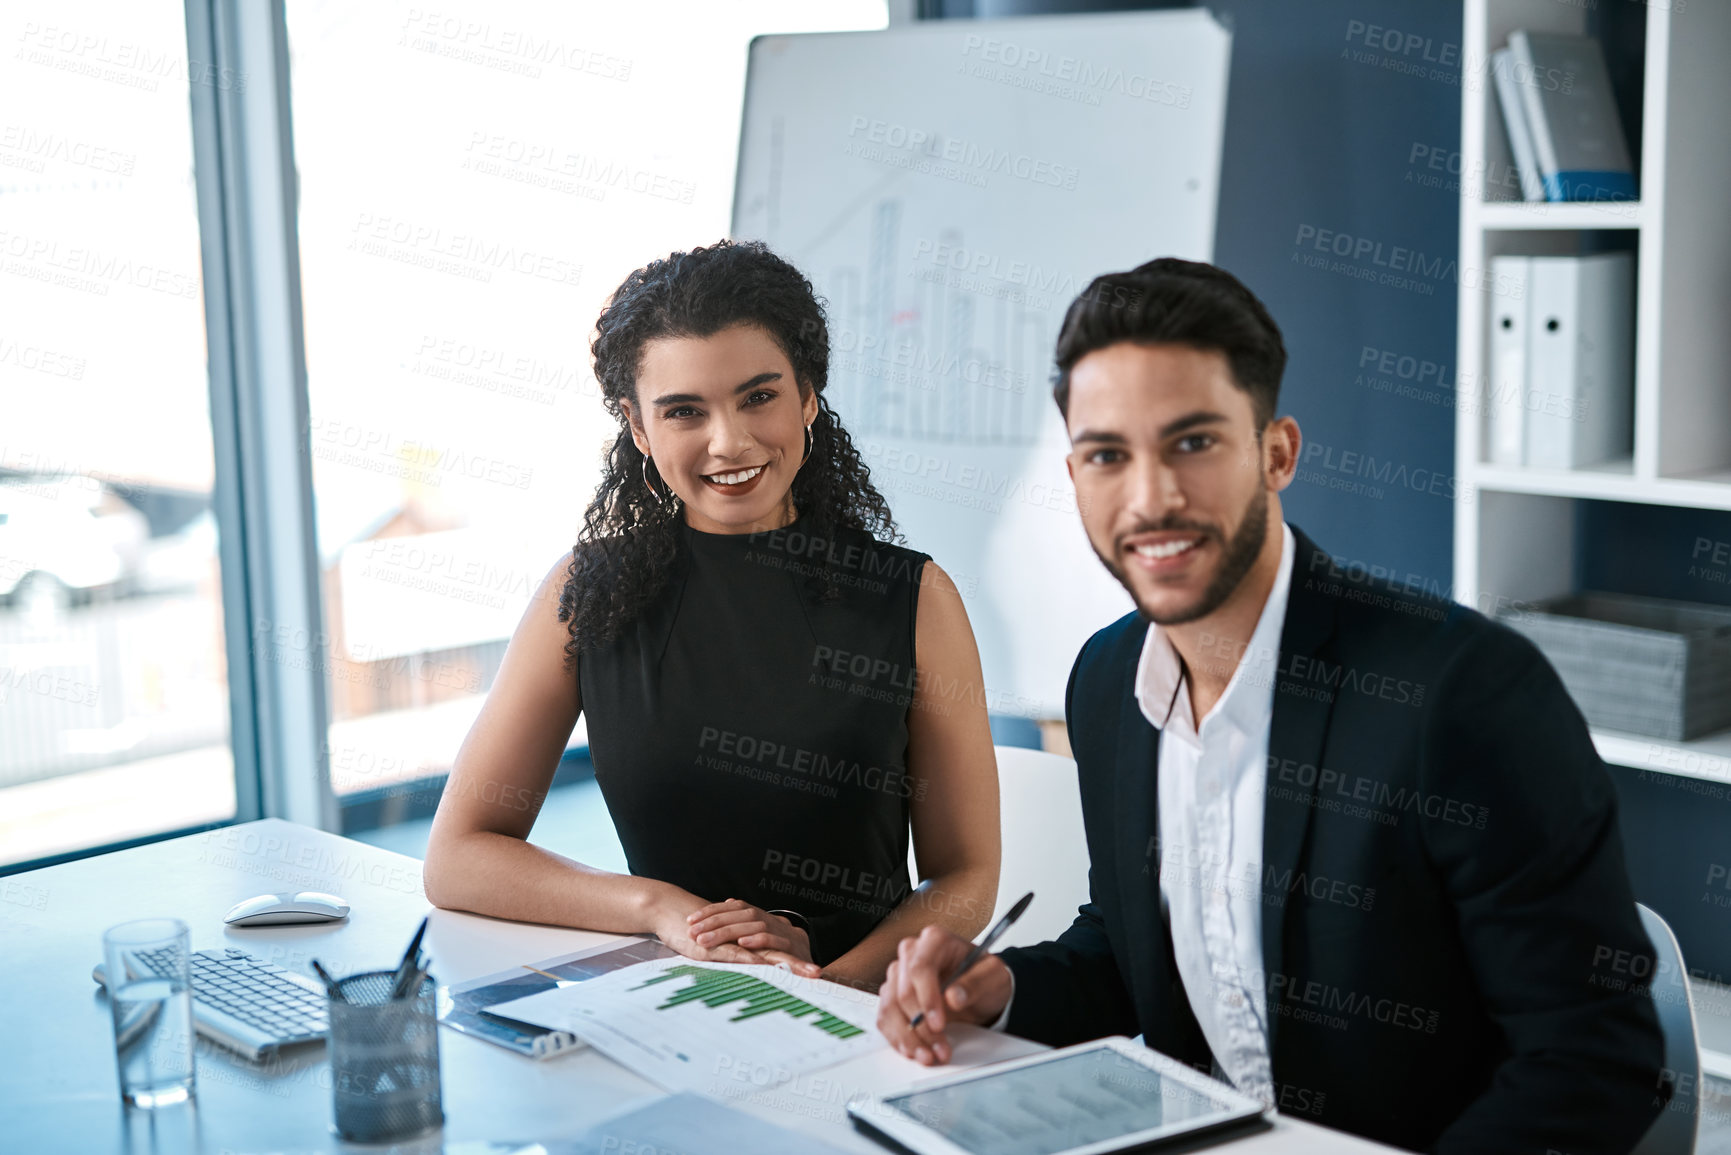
x: 709, y: 1027
x: 715, y: 988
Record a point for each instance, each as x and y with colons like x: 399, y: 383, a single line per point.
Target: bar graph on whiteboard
x: 949, y: 214
x: 934, y: 341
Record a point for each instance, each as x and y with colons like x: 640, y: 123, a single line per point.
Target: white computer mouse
x: 279, y: 909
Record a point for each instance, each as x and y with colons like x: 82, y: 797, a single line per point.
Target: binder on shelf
x: 1571, y: 115
x: 1505, y: 399
x: 1580, y: 360
x: 1515, y: 122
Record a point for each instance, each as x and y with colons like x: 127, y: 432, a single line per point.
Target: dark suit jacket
x: 1443, y: 887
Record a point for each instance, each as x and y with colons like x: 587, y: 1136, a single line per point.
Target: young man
x: 1376, y: 883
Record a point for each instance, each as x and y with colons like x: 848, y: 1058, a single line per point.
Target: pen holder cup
x: 384, y: 1056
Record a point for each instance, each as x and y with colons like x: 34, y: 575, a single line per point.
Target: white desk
x: 58, y: 1089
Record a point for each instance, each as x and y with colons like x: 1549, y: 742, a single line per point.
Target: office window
x: 475, y: 179
x: 114, y: 705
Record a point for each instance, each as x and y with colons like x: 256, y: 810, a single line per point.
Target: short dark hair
x: 1184, y: 303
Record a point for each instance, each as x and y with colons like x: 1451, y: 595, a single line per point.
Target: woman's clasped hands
x: 734, y: 931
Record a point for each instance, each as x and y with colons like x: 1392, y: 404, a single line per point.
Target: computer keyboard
x: 251, y: 1006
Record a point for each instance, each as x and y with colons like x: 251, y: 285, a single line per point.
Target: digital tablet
x: 1104, y: 1096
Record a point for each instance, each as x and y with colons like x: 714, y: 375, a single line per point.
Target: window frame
x: 262, y: 498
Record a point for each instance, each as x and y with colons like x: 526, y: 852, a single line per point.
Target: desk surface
x: 58, y: 1086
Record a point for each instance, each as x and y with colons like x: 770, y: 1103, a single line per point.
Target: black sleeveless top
x: 750, y: 739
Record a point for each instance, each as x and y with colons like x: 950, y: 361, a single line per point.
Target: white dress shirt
x: 1211, y: 791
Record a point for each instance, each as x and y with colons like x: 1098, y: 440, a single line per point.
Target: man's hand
x: 911, y: 986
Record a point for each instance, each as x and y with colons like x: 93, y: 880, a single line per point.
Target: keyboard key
x: 263, y: 995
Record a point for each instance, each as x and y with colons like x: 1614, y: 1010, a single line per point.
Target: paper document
x: 692, y: 1026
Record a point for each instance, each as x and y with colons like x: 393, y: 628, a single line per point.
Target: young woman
x: 773, y: 691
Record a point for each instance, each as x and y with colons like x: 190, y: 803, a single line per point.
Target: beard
x: 1237, y: 556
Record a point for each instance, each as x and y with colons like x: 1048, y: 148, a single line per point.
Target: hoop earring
x: 659, y: 499
x: 807, y: 456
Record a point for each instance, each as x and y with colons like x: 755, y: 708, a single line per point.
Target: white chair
x: 1040, y: 821
x: 1675, y: 1131
x: 1045, y: 851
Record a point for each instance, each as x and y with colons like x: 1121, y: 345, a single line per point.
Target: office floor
x: 574, y: 822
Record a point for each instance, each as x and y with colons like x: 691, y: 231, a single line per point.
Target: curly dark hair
x: 627, y: 548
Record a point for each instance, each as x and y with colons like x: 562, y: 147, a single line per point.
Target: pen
x: 981, y: 948
x: 406, y: 968
x: 331, y: 988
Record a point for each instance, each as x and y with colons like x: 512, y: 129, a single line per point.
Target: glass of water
x: 149, y: 970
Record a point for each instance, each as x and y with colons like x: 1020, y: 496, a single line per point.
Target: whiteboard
x: 949, y: 187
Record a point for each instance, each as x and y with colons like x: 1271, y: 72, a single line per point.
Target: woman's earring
x: 659, y: 499
x: 807, y: 456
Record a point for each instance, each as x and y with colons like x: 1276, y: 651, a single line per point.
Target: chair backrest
x: 1675, y: 1131
x: 1040, y: 817
x: 1045, y: 850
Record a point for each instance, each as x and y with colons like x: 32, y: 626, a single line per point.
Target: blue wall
x: 1330, y: 137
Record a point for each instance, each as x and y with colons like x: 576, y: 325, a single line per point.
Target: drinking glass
x: 149, y: 967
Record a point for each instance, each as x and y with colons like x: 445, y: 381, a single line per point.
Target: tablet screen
x: 1045, y: 1108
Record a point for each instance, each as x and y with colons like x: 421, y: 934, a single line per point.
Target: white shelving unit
x: 1514, y: 527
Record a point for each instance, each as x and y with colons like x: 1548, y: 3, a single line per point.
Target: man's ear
x: 638, y: 437
x: 1281, y: 441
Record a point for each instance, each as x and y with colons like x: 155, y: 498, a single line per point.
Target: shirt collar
x: 1156, y: 686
